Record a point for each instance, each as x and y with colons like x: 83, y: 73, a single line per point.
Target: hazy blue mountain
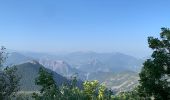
x: 79, y: 62
x: 37, y: 55
x: 29, y: 71
x: 112, y: 62
x: 58, y: 66
x: 14, y: 58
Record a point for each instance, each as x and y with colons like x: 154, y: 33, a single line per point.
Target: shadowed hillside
x: 29, y: 71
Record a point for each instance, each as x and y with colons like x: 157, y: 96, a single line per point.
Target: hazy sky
x: 82, y: 25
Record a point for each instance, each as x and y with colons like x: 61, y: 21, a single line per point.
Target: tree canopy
x: 155, y: 74
x: 9, y: 80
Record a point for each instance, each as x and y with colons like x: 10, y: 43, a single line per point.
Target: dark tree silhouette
x: 155, y: 75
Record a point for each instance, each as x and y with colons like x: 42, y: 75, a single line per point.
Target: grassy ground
x: 24, y: 95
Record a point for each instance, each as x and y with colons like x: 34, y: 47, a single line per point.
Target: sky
x: 82, y: 25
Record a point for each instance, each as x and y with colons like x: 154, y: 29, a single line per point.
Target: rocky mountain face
x: 61, y: 67
x: 56, y: 65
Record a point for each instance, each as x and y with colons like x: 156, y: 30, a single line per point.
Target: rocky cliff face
x: 60, y: 67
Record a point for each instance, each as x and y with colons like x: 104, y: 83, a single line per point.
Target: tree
x: 3, y: 56
x: 50, y: 90
x: 155, y: 74
x: 70, y: 91
x: 9, y: 80
x: 92, y: 90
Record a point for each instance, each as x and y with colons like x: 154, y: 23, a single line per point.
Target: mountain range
x: 118, y: 71
x: 92, y: 61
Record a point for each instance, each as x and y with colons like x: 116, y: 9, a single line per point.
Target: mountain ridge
x: 29, y: 72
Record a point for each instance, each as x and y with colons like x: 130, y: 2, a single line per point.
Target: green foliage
x: 2, y: 57
x: 156, y: 71
x: 49, y: 90
x: 9, y: 80
x: 23, y: 96
x: 92, y: 90
x: 9, y: 83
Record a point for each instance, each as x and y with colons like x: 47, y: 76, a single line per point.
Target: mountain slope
x: 61, y: 67
x: 123, y: 81
x: 29, y: 71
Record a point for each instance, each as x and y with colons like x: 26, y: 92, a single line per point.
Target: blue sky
x: 82, y: 25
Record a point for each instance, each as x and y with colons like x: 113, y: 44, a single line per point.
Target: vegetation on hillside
x: 92, y: 90
x: 9, y: 81
x: 155, y: 75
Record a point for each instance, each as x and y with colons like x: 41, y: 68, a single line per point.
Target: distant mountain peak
x: 58, y: 66
x: 33, y: 62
